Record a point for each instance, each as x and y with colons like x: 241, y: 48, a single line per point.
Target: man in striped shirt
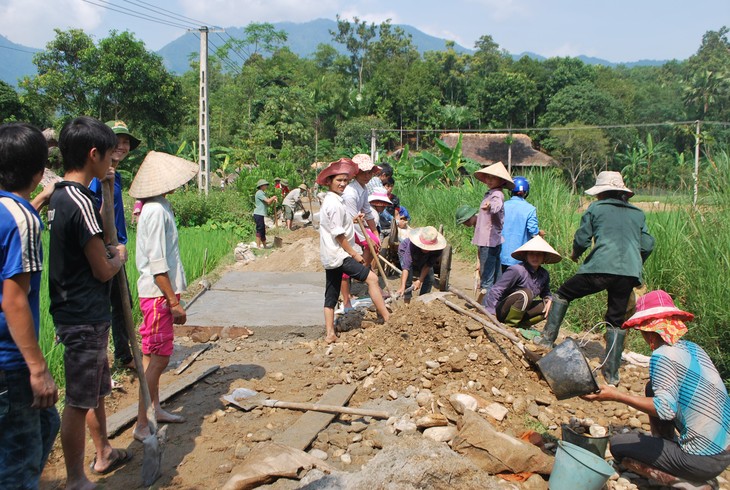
x: 81, y: 266
x: 28, y: 417
x: 686, y: 400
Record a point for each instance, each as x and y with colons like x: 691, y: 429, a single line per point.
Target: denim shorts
x: 26, y: 434
x: 86, y: 363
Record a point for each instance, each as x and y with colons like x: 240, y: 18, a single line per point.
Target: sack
x: 496, y: 452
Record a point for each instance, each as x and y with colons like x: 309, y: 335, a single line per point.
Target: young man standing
x: 125, y: 143
x: 80, y: 268
x: 28, y: 418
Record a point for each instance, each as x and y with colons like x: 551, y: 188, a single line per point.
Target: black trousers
x: 619, y: 290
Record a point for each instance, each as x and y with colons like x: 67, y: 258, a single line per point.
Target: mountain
x: 588, y: 60
x: 17, y: 61
x: 302, y: 39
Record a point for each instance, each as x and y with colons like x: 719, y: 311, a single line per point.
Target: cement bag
x: 496, y: 452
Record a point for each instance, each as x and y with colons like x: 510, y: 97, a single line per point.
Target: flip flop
x: 122, y: 458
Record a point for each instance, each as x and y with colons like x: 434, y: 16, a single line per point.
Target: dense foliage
x: 268, y: 105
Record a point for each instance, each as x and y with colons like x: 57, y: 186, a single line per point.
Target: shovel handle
x: 317, y: 407
x: 371, y: 246
x: 107, y: 192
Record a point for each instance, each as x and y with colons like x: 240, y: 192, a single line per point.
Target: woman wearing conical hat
x: 521, y: 297
x: 161, y: 273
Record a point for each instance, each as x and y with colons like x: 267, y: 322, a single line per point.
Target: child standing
x: 125, y: 143
x: 80, y: 268
x: 28, y: 421
x: 337, y: 247
x: 490, y: 219
x: 520, y: 222
x: 161, y: 274
x: 260, y: 210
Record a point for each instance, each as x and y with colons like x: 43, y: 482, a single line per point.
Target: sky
x: 614, y: 30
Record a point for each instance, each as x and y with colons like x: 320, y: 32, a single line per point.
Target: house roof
x: 491, y: 148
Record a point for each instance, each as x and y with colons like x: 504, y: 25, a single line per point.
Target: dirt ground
x: 409, y: 367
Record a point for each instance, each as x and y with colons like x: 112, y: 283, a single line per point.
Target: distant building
x: 491, y: 148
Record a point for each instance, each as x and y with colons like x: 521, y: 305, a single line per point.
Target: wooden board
x: 119, y: 420
x: 301, y: 434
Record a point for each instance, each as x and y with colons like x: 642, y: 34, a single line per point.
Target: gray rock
x: 319, y: 454
x: 440, y: 434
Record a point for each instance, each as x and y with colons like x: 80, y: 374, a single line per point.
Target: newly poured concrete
x: 272, y: 304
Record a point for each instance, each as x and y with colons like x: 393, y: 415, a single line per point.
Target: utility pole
x: 203, y: 126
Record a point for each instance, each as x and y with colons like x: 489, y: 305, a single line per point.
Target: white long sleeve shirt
x: 333, y: 222
x: 157, y: 248
x: 356, y: 201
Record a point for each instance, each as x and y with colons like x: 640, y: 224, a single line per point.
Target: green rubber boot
x: 614, y: 337
x: 552, y: 326
x: 514, y: 317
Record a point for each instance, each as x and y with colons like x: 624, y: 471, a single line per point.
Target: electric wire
x: 162, y: 11
x: 142, y: 15
x: 18, y: 49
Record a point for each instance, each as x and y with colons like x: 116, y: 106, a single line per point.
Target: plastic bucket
x: 567, y: 372
x: 596, y: 445
x: 576, y: 468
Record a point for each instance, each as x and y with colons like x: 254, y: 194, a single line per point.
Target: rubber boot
x: 552, y: 326
x: 614, y: 338
x: 514, y: 317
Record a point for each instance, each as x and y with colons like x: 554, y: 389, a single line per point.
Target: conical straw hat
x: 537, y: 244
x: 161, y: 173
x: 427, y: 238
x: 498, y: 170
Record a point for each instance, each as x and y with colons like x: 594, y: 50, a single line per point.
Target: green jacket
x: 621, y: 241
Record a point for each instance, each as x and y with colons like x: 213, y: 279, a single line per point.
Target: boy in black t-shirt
x: 80, y: 268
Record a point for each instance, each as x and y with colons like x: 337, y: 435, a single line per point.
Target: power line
x: 142, y: 15
x: 243, y: 59
x: 562, y: 128
x: 225, y: 59
x: 18, y: 49
x: 162, y: 11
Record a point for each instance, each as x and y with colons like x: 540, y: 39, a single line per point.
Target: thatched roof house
x: 491, y: 148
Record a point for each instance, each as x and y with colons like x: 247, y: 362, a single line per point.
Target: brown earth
x: 388, y: 363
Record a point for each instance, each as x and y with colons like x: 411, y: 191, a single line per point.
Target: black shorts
x: 86, y: 363
x: 333, y: 280
x: 260, y: 227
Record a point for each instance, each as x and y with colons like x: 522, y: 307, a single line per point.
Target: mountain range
x: 302, y: 39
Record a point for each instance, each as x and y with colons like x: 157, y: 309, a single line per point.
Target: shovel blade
x: 152, y: 461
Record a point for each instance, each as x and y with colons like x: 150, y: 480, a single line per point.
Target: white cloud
x: 31, y: 22
x: 568, y: 49
x: 446, y: 34
x: 502, y: 10
x: 236, y: 13
x: 371, y: 17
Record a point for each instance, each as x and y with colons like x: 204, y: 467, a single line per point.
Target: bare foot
x: 330, y: 339
x: 168, y: 418
x: 141, y: 433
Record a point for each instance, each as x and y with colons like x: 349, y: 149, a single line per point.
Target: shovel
x: 153, y: 450
x: 247, y: 399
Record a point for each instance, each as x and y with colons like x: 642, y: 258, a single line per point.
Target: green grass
x: 193, y: 244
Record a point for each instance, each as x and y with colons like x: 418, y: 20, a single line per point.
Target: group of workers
x: 686, y: 399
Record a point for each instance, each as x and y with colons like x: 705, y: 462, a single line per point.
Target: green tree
x: 356, y: 36
x: 504, y: 99
x: 117, y: 79
x: 10, y: 106
x: 579, y: 152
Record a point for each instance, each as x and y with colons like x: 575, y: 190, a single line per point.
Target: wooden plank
x: 190, y: 359
x: 301, y: 434
x: 122, y: 418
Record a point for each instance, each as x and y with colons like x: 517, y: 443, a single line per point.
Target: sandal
x: 122, y: 458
